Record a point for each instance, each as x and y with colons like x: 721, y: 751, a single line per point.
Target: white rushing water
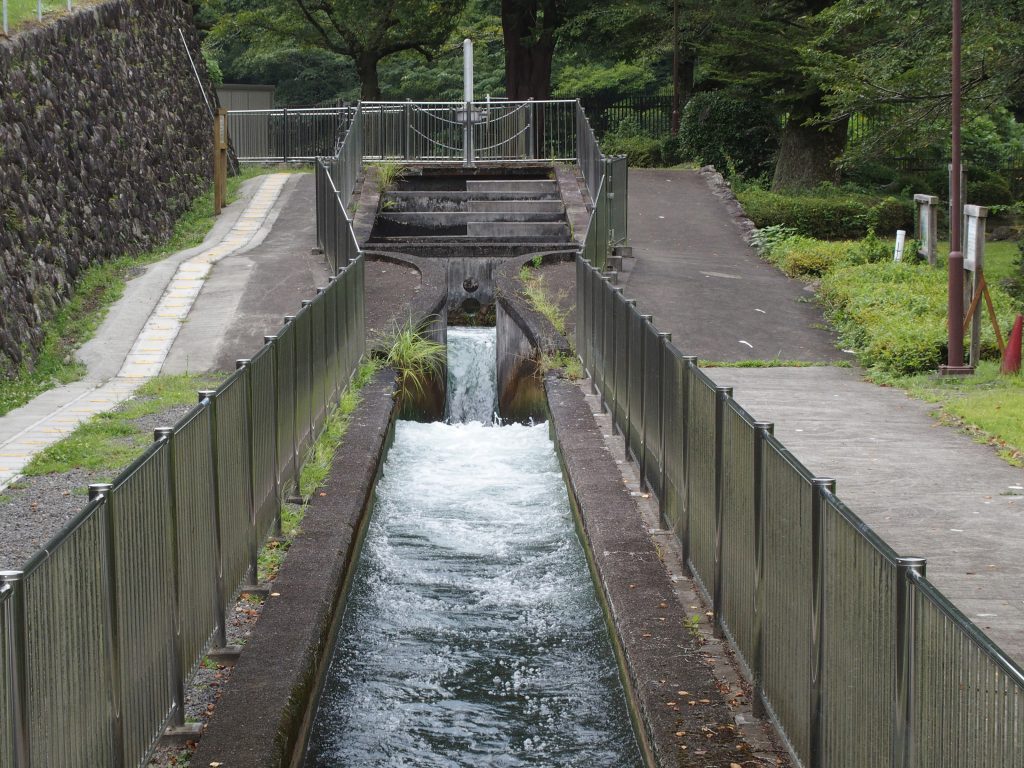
x: 472, y: 375
x: 472, y: 635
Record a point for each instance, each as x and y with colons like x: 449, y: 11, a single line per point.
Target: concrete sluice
x: 472, y: 635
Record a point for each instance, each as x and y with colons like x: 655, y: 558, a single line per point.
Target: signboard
x: 974, y: 241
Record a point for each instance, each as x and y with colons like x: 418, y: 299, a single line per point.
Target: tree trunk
x: 807, y: 153
x: 366, y: 68
x: 528, y: 51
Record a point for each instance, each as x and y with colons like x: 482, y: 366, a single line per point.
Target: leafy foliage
x: 827, y: 213
x: 732, y: 131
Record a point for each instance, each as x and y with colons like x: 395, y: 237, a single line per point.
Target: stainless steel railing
x: 857, y: 658
x: 335, y: 182
x: 287, y: 135
x: 102, y: 629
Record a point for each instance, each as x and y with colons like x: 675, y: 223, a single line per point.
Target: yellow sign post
x: 220, y: 160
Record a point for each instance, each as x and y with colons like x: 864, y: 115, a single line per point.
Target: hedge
x: 828, y: 216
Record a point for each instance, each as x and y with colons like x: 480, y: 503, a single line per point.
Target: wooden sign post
x: 927, y: 223
x: 220, y: 160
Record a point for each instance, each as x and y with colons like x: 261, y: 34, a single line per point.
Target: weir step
x: 519, y: 230
x: 536, y: 187
x: 462, y: 218
x: 517, y: 206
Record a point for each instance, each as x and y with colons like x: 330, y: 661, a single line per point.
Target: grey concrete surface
x: 248, y: 293
x: 928, y: 490
x: 694, y: 272
x: 105, y: 352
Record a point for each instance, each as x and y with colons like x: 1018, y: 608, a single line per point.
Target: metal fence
x: 607, y: 181
x: 287, y: 135
x: 649, y: 112
x: 103, y: 628
x: 858, y: 659
x: 335, y: 181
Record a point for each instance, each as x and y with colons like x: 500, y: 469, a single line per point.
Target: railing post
x: 166, y: 434
x: 761, y: 430
x: 722, y: 396
x: 689, y: 362
x: 818, y: 545
x: 407, y: 131
x: 7, y: 25
x: 907, y: 570
x: 252, y: 577
x: 220, y: 638
x: 628, y: 425
x: 17, y: 665
x: 664, y: 339
x: 642, y: 452
x: 272, y: 341
x: 285, y: 139
x: 97, y: 491
x: 295, y: 405
x: 610, y: 359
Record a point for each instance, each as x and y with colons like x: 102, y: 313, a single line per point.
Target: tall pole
x: 676, y: 87
x: 955, y: 308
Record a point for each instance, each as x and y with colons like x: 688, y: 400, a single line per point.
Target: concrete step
x: 515, y: 230
x: 538, y: 188
x: 462, y: 218
x: 516, y: 206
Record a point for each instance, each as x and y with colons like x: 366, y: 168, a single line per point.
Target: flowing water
x: 472, y: 635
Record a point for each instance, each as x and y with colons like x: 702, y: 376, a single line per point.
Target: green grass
x: 999, y: 258
x: 315, y: 468
x: 21, y: 11
x: 774, y: 363
x: 110, y: 441
x: 97, y: 288
x: 418, y: 359
x: 987, y: 405
x: 568, y: 363
x: 541, y: 299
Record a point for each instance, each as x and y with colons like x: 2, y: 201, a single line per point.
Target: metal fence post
x: 285, y: 138
x: 761, y: 430
x: 642, y: 453
x: 252, y: 576
x: 220, y: 639
x: 407, y: 132
x: 818, y: 545
x: 610, y: 359
x: 17, y: 665
x: 907, y: 569
x: 7, y: 25
x: 722, y: 396
x: 272, y: 341
x: 627, y: 412
x: 176, y: 674
x: 295, y: 406
x: 689, y: 362
x: 664, y: 339
x: 97, y: 491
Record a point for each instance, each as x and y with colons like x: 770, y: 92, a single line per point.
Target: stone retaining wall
x: 104, y: 142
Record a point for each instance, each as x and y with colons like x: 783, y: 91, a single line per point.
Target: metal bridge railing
x: 287, y: 135
x: 336, y: 179
x: 103, y: 628
x: 857, y: 658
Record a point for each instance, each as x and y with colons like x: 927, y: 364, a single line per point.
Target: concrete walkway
x: 133, y: 341
x: 928, y: 490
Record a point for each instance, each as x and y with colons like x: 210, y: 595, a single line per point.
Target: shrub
x: 642, y: 149
x: 993, y: 190
x: 733, y: 132
x: 827, y: 215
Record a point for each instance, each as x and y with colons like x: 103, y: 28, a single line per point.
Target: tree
x: 366, y: 31
x: 889, y: 60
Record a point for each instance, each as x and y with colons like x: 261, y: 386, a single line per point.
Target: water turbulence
x: 472, y: 635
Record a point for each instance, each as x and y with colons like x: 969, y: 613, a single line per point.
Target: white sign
x: 901, y: 240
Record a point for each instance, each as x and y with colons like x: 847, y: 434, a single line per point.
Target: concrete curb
x: 258, y: 721
x: 685, y: 719
x: 723, y: 191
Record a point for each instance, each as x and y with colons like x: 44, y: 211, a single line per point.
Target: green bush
x: 827, y: 214
x: 805, y: 257
x: 894, y: 315
x: 993, y: 190
x: 735, y: 133
x: 642, y: 149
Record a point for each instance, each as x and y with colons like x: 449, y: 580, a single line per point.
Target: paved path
x: 928, y: 490
x: 705, y: 286
x: 133, y: 341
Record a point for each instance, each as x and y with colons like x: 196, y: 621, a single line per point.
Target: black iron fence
x: 651, y: 113
x: 853, y: 653
x: 102, y: 629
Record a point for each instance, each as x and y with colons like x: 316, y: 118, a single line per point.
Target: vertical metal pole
x: 295, y: 409
x: 17, y: 665
x: 604, y: 291
x: 220, y: 639
x: 955, y: 278
x: 39, y: 10
x: 252, y: 576
x: 176, y: 675
x: 665, y: 339
x: 722, y: 395
x: 407, y: 132
x: 686, y: 534
x: 627, y: 427
x: 271, y: 340
x: 96, y: 491
x: 818, y: 545
x: 7, y: 26
x: 908, y: 569
x: 642, y: 453
x: 761, y: 430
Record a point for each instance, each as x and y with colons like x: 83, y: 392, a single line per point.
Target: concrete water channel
x: 472, y: 634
